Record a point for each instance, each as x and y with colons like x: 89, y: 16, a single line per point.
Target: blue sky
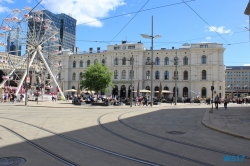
x: 177, y: 24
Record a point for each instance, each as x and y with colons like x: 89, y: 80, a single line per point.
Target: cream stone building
x: 199, y: 65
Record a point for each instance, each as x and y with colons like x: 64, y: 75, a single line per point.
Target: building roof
x: 237, y: 67
x: 247, y: 11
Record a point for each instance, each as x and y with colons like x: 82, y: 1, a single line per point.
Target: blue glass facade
x: 66, y: 26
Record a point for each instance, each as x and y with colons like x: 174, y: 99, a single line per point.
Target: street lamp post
x: 152, y: 41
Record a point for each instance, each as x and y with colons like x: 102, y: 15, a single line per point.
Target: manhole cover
x: 12, y: 161
x: 175, y: 132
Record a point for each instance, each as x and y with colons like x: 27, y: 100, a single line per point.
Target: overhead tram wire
x: 139, y: 11
x: 129, y: 21
x: 205, y: 21
x: 167, y: 42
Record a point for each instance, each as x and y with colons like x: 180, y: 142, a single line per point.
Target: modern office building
x: 237, y: 81
x: 199, y: 65
x: 13, y: 42
x: 66, y: 26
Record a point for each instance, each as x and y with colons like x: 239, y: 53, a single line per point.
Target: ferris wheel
x: 31, y: 41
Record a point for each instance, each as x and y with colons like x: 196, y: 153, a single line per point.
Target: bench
x: 79, y: 103
x: 157, y: 103
x: 101, y: 104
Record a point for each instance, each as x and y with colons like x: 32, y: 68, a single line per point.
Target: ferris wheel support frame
x: 50, y: 72
x: 25, y: 73
x: 4, y: 81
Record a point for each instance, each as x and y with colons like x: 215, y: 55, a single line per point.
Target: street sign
x: 27, y: 79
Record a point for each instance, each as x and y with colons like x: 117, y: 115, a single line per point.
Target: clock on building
x: 124, y: 47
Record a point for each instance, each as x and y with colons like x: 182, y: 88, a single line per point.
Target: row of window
x: 88, y: 63
x: 148, y: 61
x: 157, y: 75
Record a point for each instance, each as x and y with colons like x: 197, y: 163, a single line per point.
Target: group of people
x: 11, y: 97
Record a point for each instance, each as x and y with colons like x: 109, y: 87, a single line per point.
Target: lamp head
x: 145, y: 36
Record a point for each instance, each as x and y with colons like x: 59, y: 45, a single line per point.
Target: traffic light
x: 212, y: 88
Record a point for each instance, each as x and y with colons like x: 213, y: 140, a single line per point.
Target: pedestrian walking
x: 216, y: 101
x: 225, y: 102
x: 172, y: 100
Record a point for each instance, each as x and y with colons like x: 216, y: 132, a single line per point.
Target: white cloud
x: 28, y: 1
x: 246, y: 65
x: 84, y: 11
x: 127, y: 15
x: 208, y: 38
x: 220, y: 29
x: 4, y: 8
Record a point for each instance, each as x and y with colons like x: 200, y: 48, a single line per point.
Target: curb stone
x: 206, y: 122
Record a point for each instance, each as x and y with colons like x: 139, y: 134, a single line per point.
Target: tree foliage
x: 97, y: 77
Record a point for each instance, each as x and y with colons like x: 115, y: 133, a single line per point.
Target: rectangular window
x: 203, y: 46
x: 116, y: 48
x: 131, y: 47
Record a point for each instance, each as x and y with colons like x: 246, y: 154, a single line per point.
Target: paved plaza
x: 59, y: 133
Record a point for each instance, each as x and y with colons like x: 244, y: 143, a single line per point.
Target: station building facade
x: 199, y: 65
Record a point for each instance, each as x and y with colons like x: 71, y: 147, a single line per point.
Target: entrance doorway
x: 123, y: 91
x: 115, y: 91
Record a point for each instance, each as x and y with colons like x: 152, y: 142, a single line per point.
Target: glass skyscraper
x: 66, y: 26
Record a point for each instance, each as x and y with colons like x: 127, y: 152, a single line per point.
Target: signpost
x: 212, y: 89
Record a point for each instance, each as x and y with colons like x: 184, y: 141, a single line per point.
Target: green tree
x: 97, y: 77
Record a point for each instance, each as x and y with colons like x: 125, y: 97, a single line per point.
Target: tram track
x: 145, y: 162
x: 149, y: 147
x: 46, y: 151
x: 175, y: 141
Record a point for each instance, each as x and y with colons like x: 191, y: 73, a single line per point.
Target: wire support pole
x: 152, y: 45
x: 131, y: 87
x: 175, y: 77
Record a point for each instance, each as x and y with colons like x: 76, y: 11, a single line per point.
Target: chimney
x: 90, y: 50
x: 98, y: 49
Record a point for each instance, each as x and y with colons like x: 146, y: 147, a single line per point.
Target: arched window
x: 157, y: 75
x: 116, y: 61
x: 166, y: 75
x: 148, y: 61
x: 96, y: 61
x: 123, y: 74
x: 157, y: 88
x: 176, y: 75
x: 81, y: 63
x: 103, y: 62
x: 147, y: 88
x: 88, y: 63
x: 115, y: 74
x: 185, y: 60
x: 166, y: 88
x: 166, y: 61
x: 203, y: 59
x: 74, y: 64
x: 204, y: 92
x: 123, y: 61
x: 157, y: 61
x: 73, y: 87
x: 185, y: 92
x: 80, y: 76
x: 130, y: 74
x: 204, y: 74
x: 131, y: 61
x: 185, y: 75
x: 148, y: 75
x: 74, y: 76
